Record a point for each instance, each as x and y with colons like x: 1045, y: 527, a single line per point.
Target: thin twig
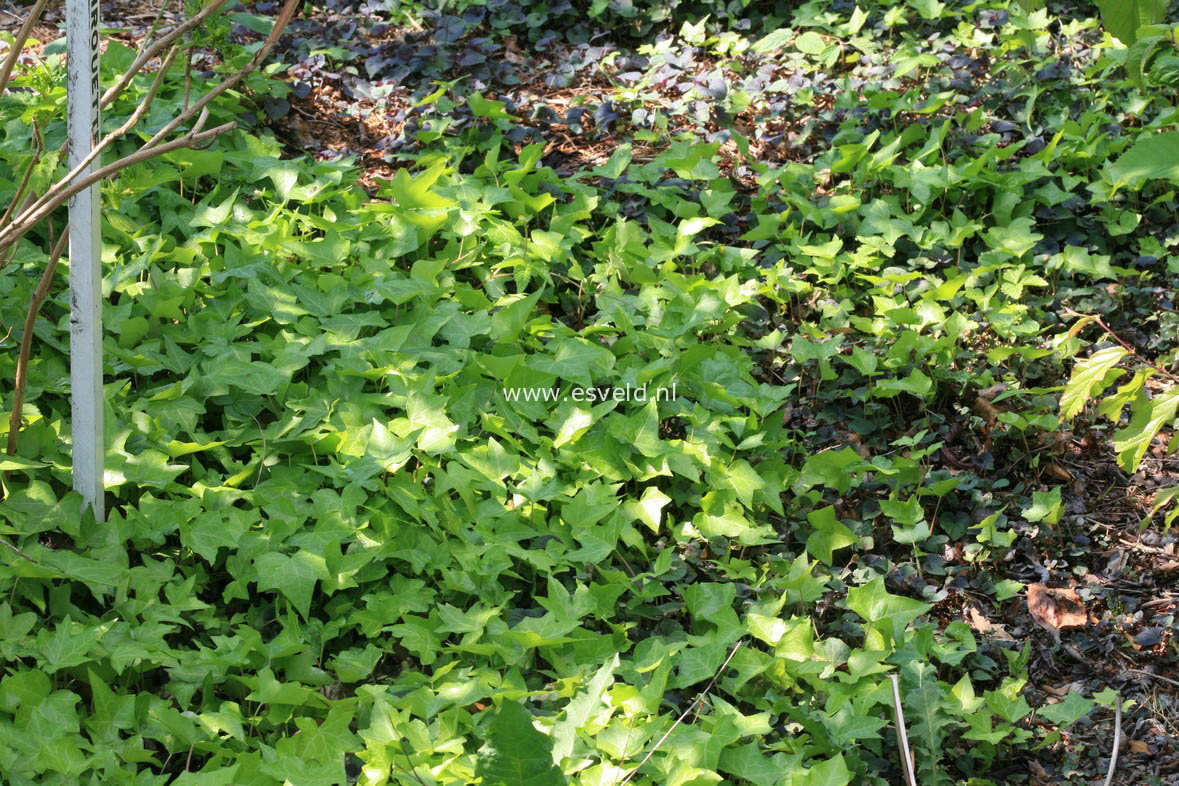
x: 38, y: 149
x: 154, y: 49
x: 149, y: 36
x: 699, y: 697
x: 26, y: 340
x: 110, y: 138
x: 1098, y: 321
x: 1117, y: 743
x: 907, y: 765
x: 280, y: 24
x: 29, y: 219
x: 412, y: 769
x: 18, y: 45
x: 187, y: 80
x: 36, y: 212
x: 1159, y: 677
x: 8, y: 545
x: 21, y: 197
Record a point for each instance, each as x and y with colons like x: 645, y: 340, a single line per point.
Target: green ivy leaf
x: 1122, y: 18
x: 1067, y: 712
x: 1154, y: 158
x: 292, y: 575
x: 829, y: 535
x: 1149, y: 417
x: 1045, y: 506
x: 810, y: 43
x: 923, y: 704
x: 516, y: 754
x: 874, y: 603
x: 832, y: 772
x: 1088, y: 380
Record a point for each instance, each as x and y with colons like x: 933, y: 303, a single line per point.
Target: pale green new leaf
x: 581, y: 709
x: 829, y: 535
x: 1046, y: 506
x: 810, y: 43
x: 1149, y: 417
x: 874, y: 603
x: 1161, y: 498
x: 832, y: 772
x: 1088, y: 380
x: 775, y: 40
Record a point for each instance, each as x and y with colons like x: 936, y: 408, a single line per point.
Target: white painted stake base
x: 85, y: 256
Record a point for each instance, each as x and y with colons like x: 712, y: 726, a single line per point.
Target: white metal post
x: 82, y: 83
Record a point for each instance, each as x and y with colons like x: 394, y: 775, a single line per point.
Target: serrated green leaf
x: 1122, y: 18
x: 1088, y: 380
x: 1154, y: 158
x: 923, y: 704
x: 1150, y: 416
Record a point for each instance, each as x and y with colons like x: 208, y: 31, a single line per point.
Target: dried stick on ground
x: 1117, y: 742
x: 902, y: 735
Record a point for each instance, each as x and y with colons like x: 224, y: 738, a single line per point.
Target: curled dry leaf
x: 986, y: 410
x: 994, y: 390
x: 978, y: 622
x: 1056, y: 608
x: 1058, y: 472
x: 1062, y: 691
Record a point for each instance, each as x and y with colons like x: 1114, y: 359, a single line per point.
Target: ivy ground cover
x: 630, y: 407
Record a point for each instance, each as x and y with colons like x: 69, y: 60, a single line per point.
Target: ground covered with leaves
x: 539, y: 394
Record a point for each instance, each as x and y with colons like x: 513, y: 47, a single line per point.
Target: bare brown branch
x: 153, y: 50
x: 26, y: 340
x: 22, y: 36
x: 67, y: 186
x: 280, y: 24
x: 109, y: 139
x: 30, y: 218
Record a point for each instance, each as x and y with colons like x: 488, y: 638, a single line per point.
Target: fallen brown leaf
x: 1058, y: 472
x: 1138, y: 746
x: 1062, y: 691
x: 994, y: 390
x: 1056, y: 608
x: 978, y: 622
x: 986, y: 410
